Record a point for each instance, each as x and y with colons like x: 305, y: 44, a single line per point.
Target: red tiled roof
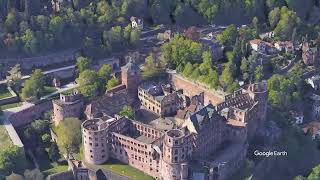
x: 313, y: 126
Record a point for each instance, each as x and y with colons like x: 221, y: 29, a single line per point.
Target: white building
x: 284, y: 46
x: 261, y: 46
x: 315, y: 106
x: 136, y: 23
x: 297, y: 116
x: 314, y: 82
x: 313, y: 128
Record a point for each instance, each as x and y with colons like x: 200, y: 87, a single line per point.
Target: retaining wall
x: 9, y: 100
x: 29, y: 114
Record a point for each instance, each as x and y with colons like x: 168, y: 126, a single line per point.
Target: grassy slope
x: 4, y: 93
x: 4, y: 137
x: 8, y: 106
x: 123, y: 169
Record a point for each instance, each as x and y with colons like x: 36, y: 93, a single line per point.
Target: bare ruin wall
x: 191, y: 89
x: 26, y: 116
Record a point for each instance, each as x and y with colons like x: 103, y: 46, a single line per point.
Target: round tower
x: 174, y: 156
x: 130, y: 76
x: 94, y: 137
x: 259, y: 93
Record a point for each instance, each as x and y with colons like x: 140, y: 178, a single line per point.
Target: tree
x: 40, y: 126
x: 274, y: 17
x: 33, y: 87
x: 31, y: 44
x: 112, y: 82
x: 180, y: 51
x: 11, y: 158
x: 82, y: 64
x: 11, y: 21
x: 89, y: 84
x: 315, y: 173
x: 32, y: 7
x: 105, y: 71
x: 34, y: 174
x: 228, y: 36
x: 14, y: 76
x: 127, y: 111
x: 255, y: 24
x: 226, y: 78
x: 153, y: 67
x: 288, y: 21
x: 30, y: 136
x: 53, y: 153
x: 69, y: 135
x: 46, y: 138
x: 258, y: 73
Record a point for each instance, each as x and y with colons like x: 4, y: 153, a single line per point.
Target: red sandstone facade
x: 66, y: 107
x: 226, y: 122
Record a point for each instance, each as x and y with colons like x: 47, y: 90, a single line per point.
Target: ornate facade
x: 214, y: 135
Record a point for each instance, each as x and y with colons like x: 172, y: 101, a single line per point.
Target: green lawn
x: 48, y: 90
x: 5, y: 140
x: 55, y: 169
x: 125, y: 170
x: 8, y: 106
x: 4, y: 93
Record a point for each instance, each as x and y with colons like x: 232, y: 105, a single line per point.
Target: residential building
x: 315, y: 106
x: 297, y: 116
x: 313, y: 128
x: 136, y: 22
x: 310, y: 55
x: 314, y: 82
x: 160, y: 99
x: 261, y: 46
x: 284, y: 46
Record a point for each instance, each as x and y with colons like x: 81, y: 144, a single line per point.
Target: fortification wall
x: 192, y: 88
x: 29, y: 114
x: 8, y: 100
x: 67, y: 175
x: 31, y: 63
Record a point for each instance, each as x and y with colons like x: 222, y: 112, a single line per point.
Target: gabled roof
x: 131, y: 66
x: 199, y: 118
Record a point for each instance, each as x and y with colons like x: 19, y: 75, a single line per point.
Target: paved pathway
x: 7, y: 124
x: 45, y: 72
x: 62, y: 89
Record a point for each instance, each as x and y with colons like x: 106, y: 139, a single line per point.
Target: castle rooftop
x: 131, y: 66
x: 145, y: 139
x: 162, y: 124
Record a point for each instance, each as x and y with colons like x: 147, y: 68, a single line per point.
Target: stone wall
x: 8, y: 100
x: 48, y: 61
x: 67, y: 175
x: 192, y: 88
x: 26, y: 116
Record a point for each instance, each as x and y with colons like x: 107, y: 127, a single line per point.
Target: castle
x: 194, y: 127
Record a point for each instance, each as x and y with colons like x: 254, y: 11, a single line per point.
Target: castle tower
x: 130, y: 76
x: 259, y: 93
x: 94, y: 138
x: 174, y: 156
x: 69, y: 105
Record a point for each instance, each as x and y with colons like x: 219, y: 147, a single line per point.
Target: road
x: 45, y: 72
